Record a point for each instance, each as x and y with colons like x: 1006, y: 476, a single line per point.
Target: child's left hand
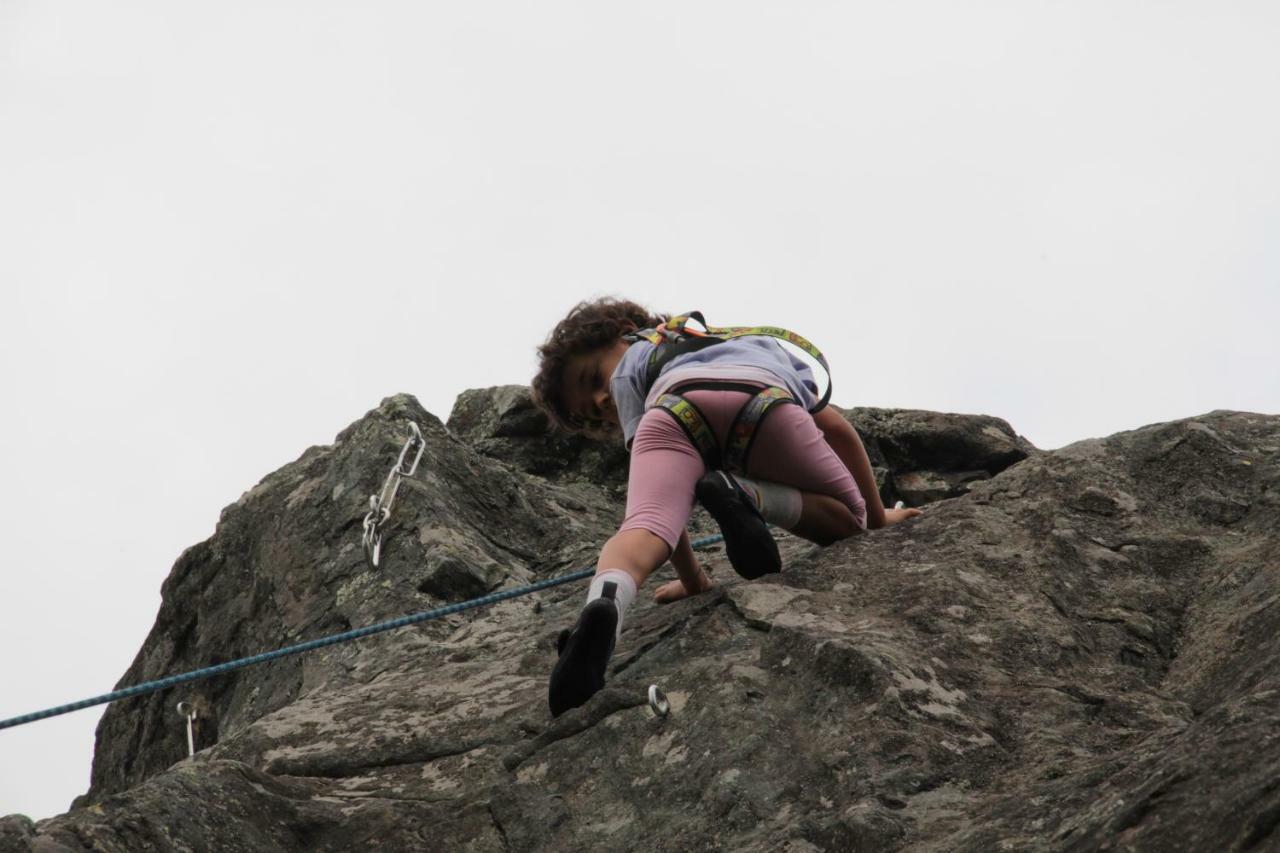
x: 897, y: 516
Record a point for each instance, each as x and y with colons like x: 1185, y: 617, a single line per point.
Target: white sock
x: 778, y: 504
x: 615, y: 584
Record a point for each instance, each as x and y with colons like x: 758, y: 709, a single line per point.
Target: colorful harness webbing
x: 742, y: 432
x: 675, y: 338
x: 695, y: 425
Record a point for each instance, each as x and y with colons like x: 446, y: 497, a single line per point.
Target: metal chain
x: 380, y: 504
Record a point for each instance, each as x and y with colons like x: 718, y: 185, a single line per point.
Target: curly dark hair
x: 589, y: 326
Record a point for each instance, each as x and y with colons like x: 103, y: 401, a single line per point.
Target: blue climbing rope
x: 332, y: 640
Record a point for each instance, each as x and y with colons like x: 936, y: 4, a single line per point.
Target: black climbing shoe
x: 747, y: 540
x: 584, y: 655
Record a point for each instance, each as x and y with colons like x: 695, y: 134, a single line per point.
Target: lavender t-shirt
x: 750, y: 359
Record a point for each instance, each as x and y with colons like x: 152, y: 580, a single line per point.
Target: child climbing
x: 727, y: 417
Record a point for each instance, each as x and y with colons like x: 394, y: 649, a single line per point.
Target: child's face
x: 586, y: 384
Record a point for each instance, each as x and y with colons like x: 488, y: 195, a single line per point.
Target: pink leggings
x: 665, y: 466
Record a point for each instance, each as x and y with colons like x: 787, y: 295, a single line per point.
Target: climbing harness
x: 675, y: 338
x: 742, y: 432
x: 380, y: 504
x: 332, y: 640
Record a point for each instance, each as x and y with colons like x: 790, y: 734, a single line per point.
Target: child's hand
x: 894, y: 516
x: 676, y: 590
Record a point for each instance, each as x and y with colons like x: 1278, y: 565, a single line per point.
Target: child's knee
x: 650, y: 533
x: 842, y: 526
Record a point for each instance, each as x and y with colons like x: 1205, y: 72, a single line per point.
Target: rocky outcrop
x: 918, y: 456
x: 502, y: 423
x: 921, y: 457
x: 1078, y: 652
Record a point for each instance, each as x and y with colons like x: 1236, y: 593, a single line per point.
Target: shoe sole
x: 584, y: 656
x: 748, y: 544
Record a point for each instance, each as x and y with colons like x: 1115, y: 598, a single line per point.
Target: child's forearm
x: 844, y: 440
x: 854, y: 457
x: 687, y: 567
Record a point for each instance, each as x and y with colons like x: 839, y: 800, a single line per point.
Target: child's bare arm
x: 693, y: 579
x: 844, y: 440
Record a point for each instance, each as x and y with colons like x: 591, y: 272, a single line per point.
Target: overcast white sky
x: 227, y: 231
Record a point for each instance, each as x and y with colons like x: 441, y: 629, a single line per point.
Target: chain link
x: 380, y: 504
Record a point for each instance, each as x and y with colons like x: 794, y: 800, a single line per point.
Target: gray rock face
x: 919, y: 456
x: 503, y: 423
x: 929, y: 456
x: 1081, y: 652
